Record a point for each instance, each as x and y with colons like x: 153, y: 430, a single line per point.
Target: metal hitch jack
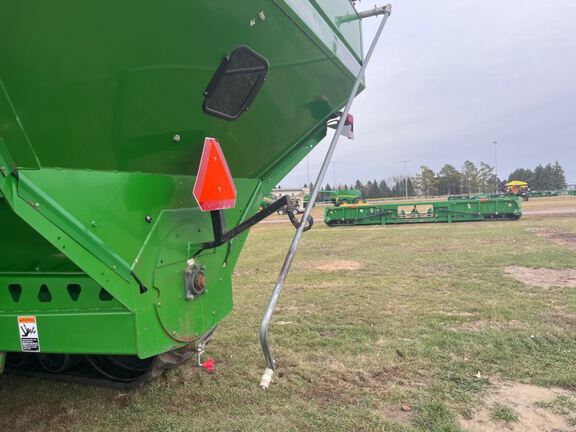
x: 265, y: 324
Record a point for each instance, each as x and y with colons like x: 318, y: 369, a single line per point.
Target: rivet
x: 177, y: 138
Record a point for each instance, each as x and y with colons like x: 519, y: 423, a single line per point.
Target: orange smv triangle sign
x: 214, y: 188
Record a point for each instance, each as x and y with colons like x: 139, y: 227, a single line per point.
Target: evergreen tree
x: 538, y: 179
x: 373, y: 190
x: 521, y: 174
x: 384, y: 190
x: 367, y: 189
x: 328, y: 187
x: 559, y: 178
x: 396, y: 190
x: 548, y: 180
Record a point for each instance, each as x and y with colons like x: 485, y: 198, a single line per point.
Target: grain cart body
x: 425, y: 212
x: 104, y: 110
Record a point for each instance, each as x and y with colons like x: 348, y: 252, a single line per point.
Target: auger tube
x: 265, y: 324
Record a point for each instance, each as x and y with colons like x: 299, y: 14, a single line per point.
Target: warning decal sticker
x: 29, y: 339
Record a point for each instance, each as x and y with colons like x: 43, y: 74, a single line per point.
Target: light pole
x: 496, y: 163
x: 405, y: 162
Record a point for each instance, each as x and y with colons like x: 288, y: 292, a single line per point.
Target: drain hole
x: 15, y: 292
x: 105, y: 295
x: 44, y: 294
x: 74, y: 291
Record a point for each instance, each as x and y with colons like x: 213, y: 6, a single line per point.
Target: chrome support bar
x: 265, y: 324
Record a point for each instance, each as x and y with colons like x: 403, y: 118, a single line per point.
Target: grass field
x: 384, y: 328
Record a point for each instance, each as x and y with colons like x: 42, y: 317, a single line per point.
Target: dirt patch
x: 542, y: 277
x: 559, y: 237
x: 402, y: 414
x: 481, y: 325
x: 526, y: 402
x: 337, y: 265
x: 453, y: 313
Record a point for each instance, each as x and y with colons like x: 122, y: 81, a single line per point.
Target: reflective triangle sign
x: 214, y: 188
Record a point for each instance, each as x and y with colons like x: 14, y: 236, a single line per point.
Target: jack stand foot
x: 266, y: 378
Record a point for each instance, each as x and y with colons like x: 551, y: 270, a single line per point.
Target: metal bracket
x: 222, y: 236
x: 194, y: 280
x: 201, y: 343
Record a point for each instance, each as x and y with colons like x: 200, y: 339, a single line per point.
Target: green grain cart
x: 108, y: 267
x: 345, y: 196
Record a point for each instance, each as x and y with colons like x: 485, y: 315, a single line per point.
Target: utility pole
x: 405, y: 162
x: 496, y: 164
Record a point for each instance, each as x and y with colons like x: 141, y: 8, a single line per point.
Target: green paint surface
x: 98, y: 216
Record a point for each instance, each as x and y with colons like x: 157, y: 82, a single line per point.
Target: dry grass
x: 429, y: 321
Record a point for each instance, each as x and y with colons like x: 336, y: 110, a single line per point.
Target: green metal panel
x: 98, y: 217
x: 122, y: 87
x: 425, y: 212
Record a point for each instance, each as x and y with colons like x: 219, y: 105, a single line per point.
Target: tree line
x: 542, y: 178
x: 470, y: 179
x: 451, y: 181
x: 395, y: 187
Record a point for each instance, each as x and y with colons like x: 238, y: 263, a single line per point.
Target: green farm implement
x: 342, y: 197
x: 425, y: 212
x: 137, y: 140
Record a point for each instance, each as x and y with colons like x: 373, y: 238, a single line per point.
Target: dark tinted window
x: 235, y: 84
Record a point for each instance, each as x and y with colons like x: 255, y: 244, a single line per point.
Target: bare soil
x: 523, y: 400
x: 482, y: 325
x: 560, y: 237
x: 565, y: 211
x: 543, y: 277
x: 336, y: 265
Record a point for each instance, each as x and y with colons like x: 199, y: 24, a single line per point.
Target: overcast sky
x: 450, y: 77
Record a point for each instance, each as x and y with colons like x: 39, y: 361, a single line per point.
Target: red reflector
x: 214, y: 188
